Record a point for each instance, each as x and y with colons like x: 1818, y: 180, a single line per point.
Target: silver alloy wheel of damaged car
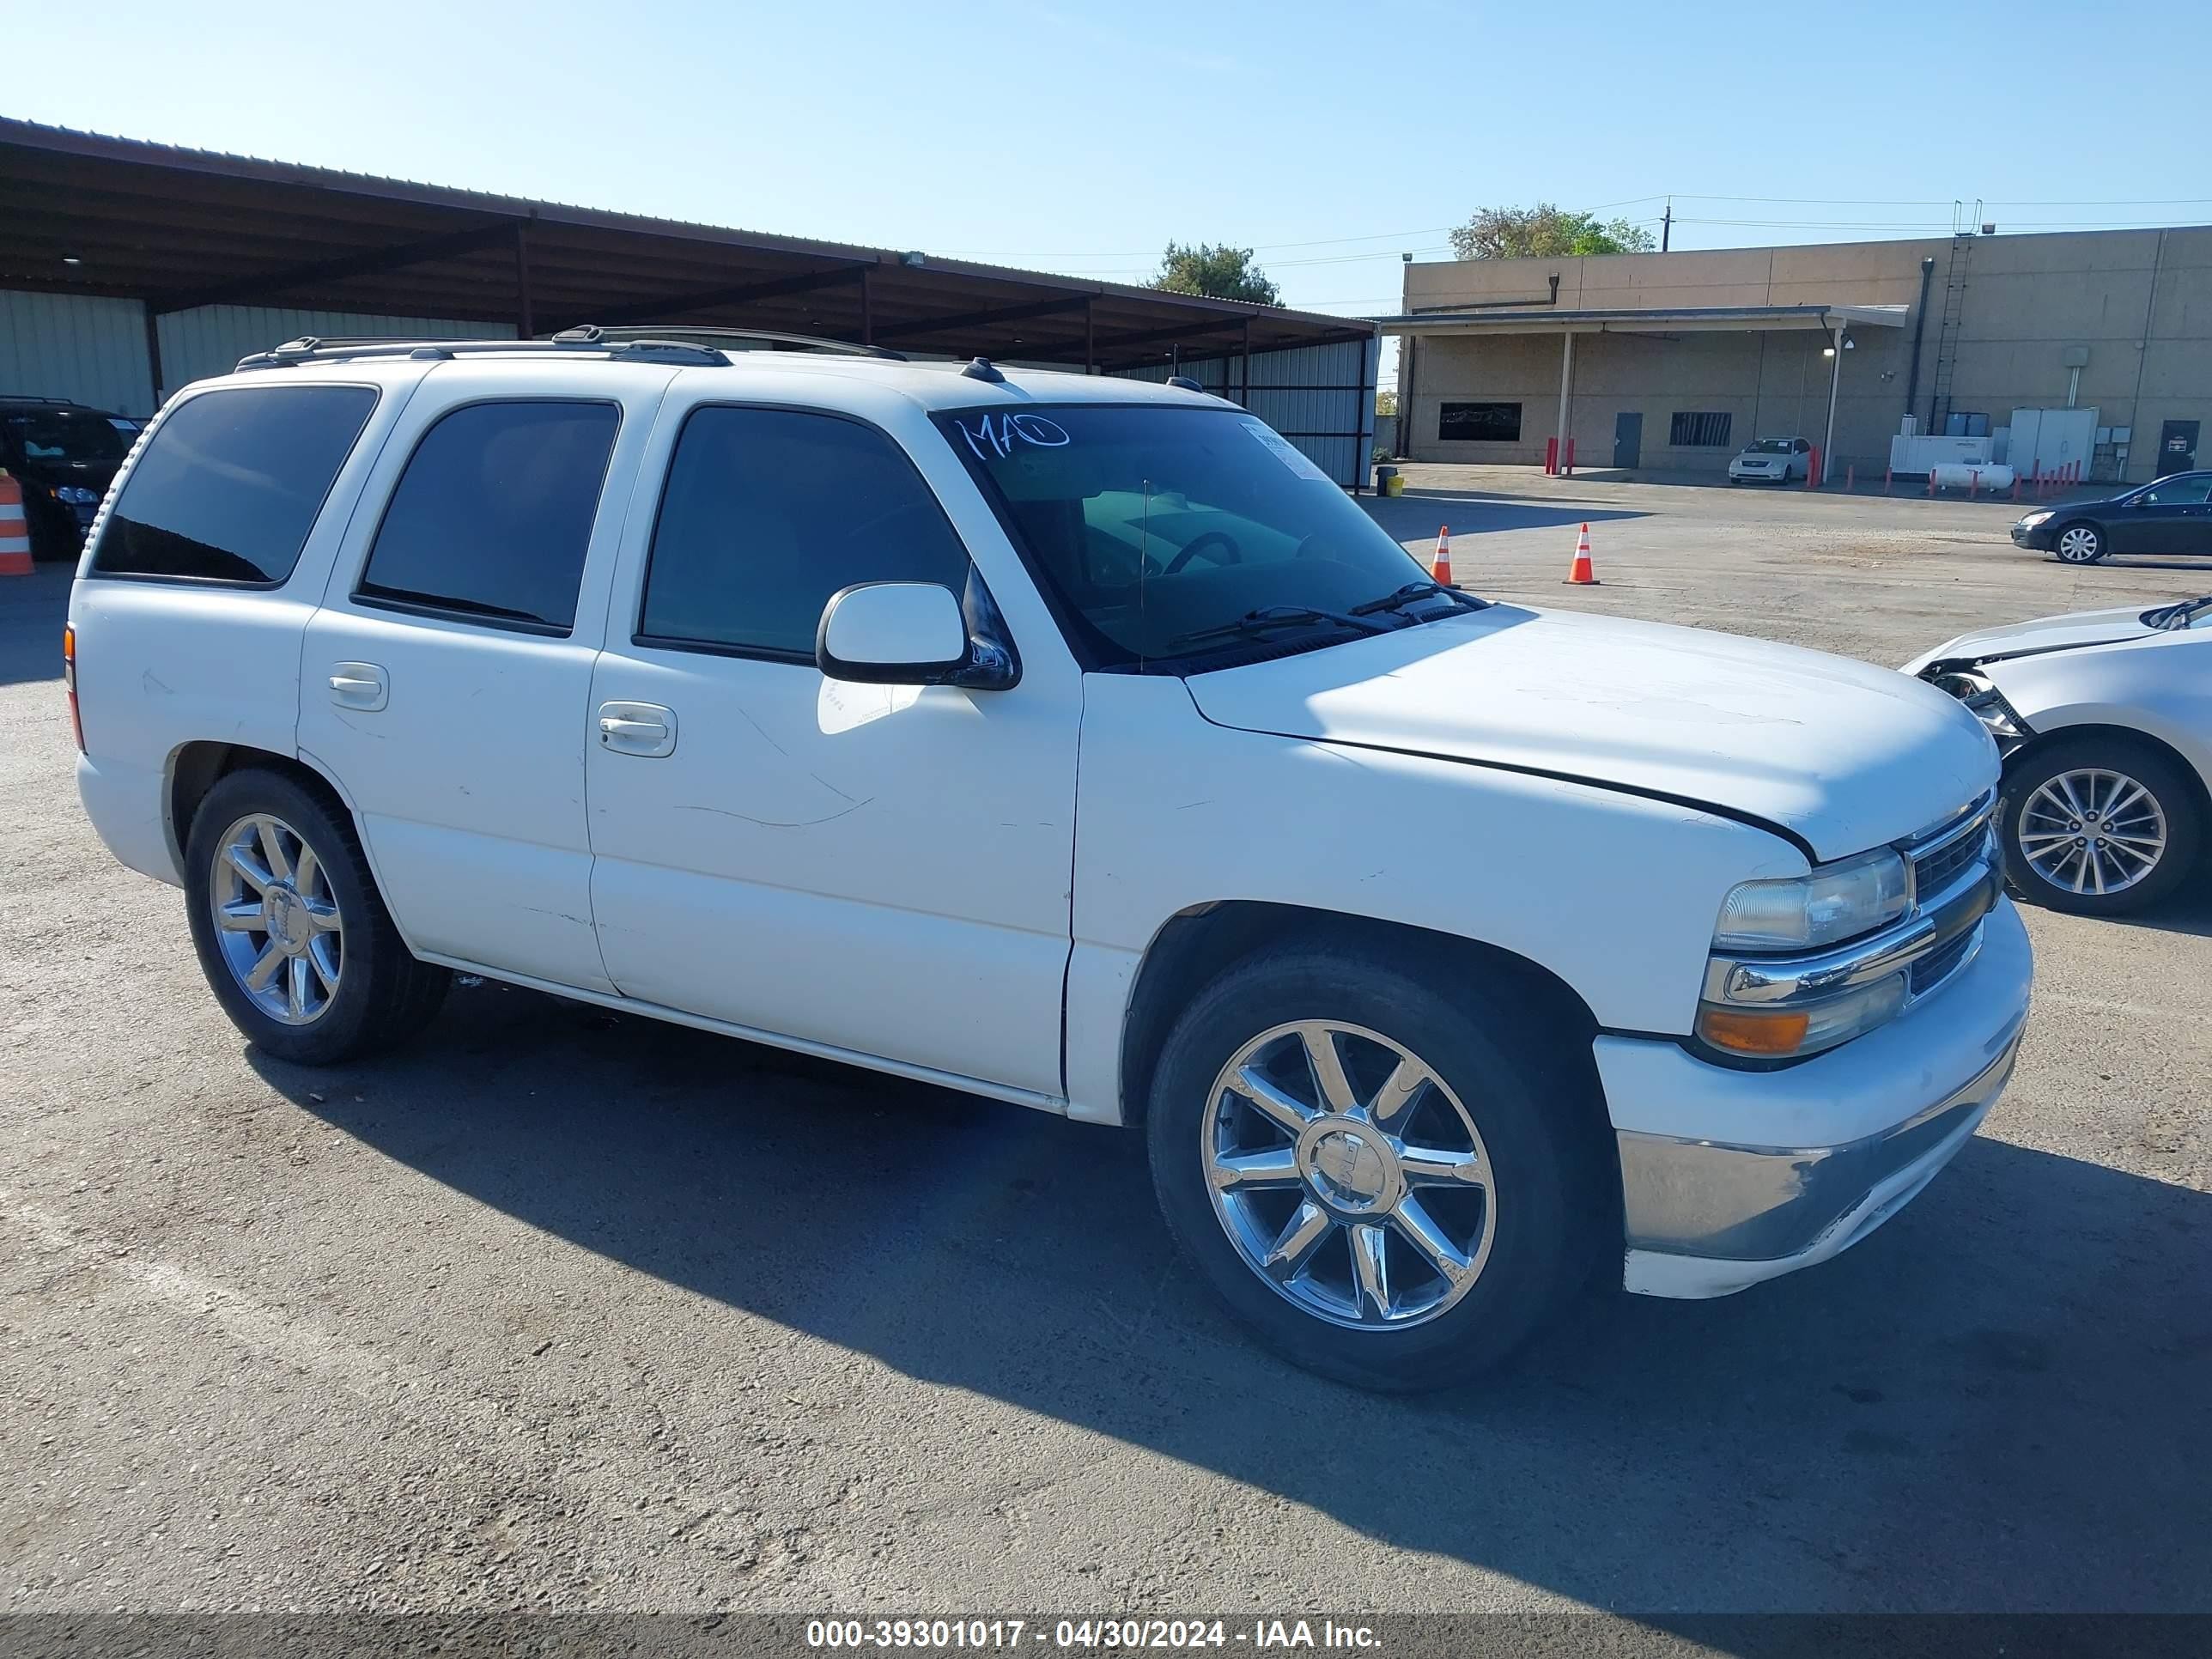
x: 1348, y: 1174
x: 2092, y: 830
x: 2080, y: 543
x: 277, y: 918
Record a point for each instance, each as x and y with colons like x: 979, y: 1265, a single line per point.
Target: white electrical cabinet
x: 2045, y: 441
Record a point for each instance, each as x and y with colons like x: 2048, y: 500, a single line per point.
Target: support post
x: 1835, y: 384
x: 1090, y: 337
x: 867, y: 307
x: 1566, y: 380
x: 1244, y: 369
x: 153, y: 353
x: 526, y: 325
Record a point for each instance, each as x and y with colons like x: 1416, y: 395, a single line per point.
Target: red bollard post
x: 1813, y: 469
x: 1571, y: 457
x: 2016, y: 486
x: 1931, y: 480
x: 1886, y: 480
x: 1851, y: 477
x: 1973, y: 484
x: 1552, y: 457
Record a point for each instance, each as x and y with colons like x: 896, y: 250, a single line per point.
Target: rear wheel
x: 291, y: 933
x: 1374, y: 1178
x: 2080, y: 543
x: 2099, y: 826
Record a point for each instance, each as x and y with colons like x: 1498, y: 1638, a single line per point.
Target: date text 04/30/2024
x: 1084, y: 1634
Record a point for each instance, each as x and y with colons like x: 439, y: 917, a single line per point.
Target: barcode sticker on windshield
x: 1282, y: 449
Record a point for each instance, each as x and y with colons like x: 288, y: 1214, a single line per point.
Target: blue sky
x: 1081, y: 138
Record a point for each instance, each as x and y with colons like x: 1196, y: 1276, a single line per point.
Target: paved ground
x: 563, y: 1310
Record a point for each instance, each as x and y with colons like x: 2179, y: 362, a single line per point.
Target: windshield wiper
x: 1270, y: 616
x: 2170, y: 616
x: 1414, y: 590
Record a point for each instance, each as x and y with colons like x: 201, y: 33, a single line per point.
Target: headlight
x: 1985, y: 702
x: 1791, y: 1033
x: 2035, y: 518
x: 74, y: 494
x: 1832, y: 904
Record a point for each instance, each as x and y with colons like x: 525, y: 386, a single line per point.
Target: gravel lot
x: 562, y: 1311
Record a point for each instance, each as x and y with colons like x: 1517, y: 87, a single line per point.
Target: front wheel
x: 1371, y: 1176
x: 2080, y: 543
x: 2098, y: 826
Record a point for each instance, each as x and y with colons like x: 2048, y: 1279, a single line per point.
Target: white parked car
x: 1066, y: 739
x: 2105, y: 720
x: 1772, y: 460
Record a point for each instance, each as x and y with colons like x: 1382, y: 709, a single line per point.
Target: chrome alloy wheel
x: 2078, y: 545
x: 2092, y: 831
x: 1348, y: 1174
x: 277, y: 918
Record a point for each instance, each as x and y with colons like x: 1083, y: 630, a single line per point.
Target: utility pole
x: 1666, y: 225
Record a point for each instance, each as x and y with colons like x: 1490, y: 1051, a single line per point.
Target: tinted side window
x: 766, y: 513
x: 229, y: 487
x: 493, y: 513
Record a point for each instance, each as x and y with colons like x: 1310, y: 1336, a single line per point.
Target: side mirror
x: 905, y: 634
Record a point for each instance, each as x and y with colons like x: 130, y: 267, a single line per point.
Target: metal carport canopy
x: 1685, y: 320
x: 87, y: 214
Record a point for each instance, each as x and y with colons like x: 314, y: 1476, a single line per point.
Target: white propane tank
x: 1985, y: 478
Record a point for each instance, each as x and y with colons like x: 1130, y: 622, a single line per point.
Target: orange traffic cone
x: 15, y: 531
x: 1440, y: 567
x: 1581, y: 575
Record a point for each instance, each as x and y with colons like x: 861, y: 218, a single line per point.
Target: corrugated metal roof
x: 178, y: 228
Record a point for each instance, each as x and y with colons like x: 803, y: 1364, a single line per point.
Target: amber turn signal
x: 1767, y: 1034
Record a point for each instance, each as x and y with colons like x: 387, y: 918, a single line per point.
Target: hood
x: 2078, y: 628
x: 1843, y: 754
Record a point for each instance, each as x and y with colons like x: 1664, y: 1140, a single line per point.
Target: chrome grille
x: 1939, y: 964
x: 1943, y: 859
x: 1939, y: 859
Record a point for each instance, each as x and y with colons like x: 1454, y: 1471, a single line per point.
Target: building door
x: 1628, y: 439
x: 2177, y: 447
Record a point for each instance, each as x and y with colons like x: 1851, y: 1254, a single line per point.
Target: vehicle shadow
x: 1996, y: 1403
x: 1414, y: 515
x: 32, y: 609
x: 2137, y: 562
x: 2188, y: 910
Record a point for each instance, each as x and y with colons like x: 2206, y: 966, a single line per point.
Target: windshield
x: 1768, y: 446
x: 64, y: 435
x: 1156, y: 525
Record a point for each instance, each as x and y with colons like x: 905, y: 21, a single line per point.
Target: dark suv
x: 64, y: 454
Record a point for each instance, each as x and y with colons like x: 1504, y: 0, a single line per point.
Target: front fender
x: 2136, y: 686
x: 1614, y: 894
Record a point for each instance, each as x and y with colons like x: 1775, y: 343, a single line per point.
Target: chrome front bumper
x: 1729, y: 1177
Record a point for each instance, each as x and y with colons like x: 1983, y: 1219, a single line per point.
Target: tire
x: 337, y: 992
x: 1525, y: 1239
x: 2034, y: 819
x: 2079, y: 543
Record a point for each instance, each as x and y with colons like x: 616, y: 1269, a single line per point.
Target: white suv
x: 1071, y: 740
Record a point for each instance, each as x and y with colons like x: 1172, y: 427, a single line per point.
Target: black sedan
x: 64, y: 456
x: 2173, y: 514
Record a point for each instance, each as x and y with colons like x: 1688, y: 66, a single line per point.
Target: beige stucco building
x: 1675, y: 361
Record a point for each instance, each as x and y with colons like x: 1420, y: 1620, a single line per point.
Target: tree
x: 1386, y: 401
x: 1215, y: 273
x: 1545, y: 232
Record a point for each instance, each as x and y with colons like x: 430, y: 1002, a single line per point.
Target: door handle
x: 644, y: 729
x: 359, y: 685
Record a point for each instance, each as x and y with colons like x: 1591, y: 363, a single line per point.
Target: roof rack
x: 709, y: 349
x: 769, y: 340
x: 316, y: 349
x: 33, y: 398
